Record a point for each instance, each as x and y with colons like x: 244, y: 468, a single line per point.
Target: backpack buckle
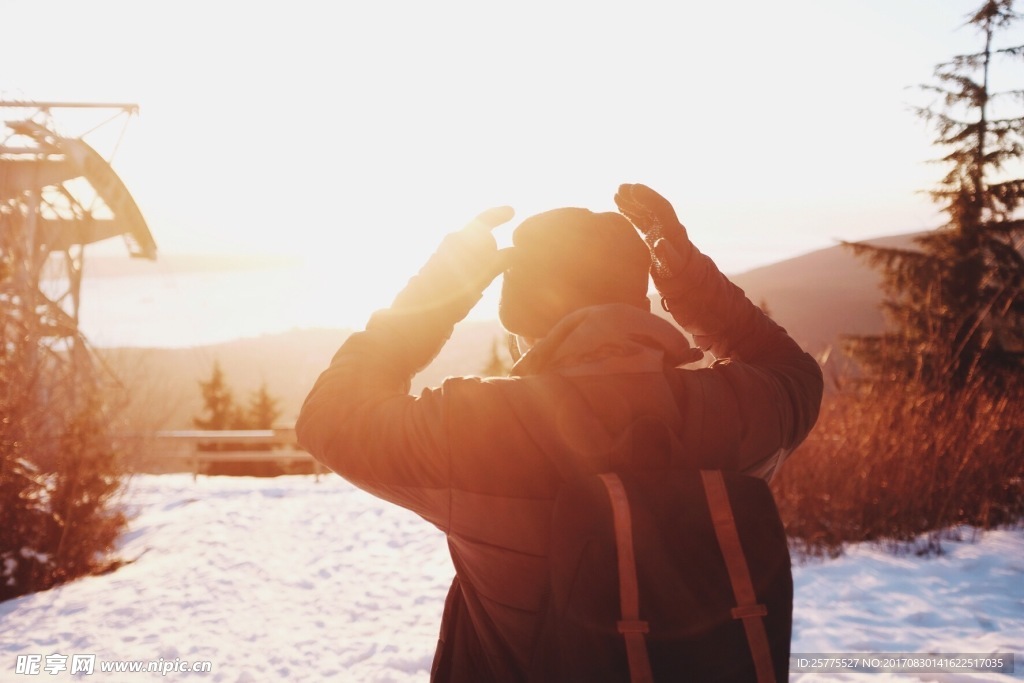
x: 748, y: 611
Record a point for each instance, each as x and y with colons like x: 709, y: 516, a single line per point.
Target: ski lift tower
x: 57, y: 195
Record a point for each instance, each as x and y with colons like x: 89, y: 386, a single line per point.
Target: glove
x: 685, y: 278
x: 424, y: 313
x: 460, y: 270
x: 670, y: 246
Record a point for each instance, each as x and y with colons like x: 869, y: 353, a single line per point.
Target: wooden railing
x: 201, y: 448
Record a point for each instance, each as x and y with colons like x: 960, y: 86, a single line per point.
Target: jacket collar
x: 608, y: 339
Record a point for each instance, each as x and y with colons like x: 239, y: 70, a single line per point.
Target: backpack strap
x: 631, y: 626
x: 747, y: 607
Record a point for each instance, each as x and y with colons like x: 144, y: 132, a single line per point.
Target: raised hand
x: 656, y: 220
x: 473, y: 251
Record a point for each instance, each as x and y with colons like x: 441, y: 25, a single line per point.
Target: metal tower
x: 57, y: 195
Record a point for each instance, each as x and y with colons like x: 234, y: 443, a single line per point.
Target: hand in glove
x: 666, y: 237
x: 689, y: 283
x: 446, y: 288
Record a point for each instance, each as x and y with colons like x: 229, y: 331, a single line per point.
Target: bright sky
x: 356, y: 134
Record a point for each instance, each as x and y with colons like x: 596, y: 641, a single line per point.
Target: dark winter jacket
x: 482, y: 459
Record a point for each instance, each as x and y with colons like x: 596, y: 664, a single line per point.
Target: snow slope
x: 303, y: 580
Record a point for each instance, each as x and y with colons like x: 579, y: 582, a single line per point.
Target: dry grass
x: 890, y: 463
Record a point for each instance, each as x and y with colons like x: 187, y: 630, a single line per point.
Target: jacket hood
x: 608, y: 339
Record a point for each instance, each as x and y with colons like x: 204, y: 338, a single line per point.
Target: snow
x: 303, y: 580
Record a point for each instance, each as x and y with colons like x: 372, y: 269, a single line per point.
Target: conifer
x: 955, y: 300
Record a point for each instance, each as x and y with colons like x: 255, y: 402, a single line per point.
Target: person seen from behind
x: 483, y: 459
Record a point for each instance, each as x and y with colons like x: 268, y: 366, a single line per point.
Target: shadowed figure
x: 599, y: 386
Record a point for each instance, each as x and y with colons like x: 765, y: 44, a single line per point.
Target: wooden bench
x: 202, y: 448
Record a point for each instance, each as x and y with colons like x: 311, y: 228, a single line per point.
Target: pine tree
x: 955, y: 301
x: 263, y: 409
x: 219, y: 406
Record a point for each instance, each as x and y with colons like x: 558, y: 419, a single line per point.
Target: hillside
x: 164, y: 383
x: 822, y: 295
x: 817, y: 296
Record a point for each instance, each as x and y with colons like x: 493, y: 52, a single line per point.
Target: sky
x: 355, y: 135
x: 305, y: 581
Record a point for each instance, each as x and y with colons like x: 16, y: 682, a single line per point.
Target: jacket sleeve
x: 359, y: 419
x: 759, y: 402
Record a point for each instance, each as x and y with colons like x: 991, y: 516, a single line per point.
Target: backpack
x: 666, y: 576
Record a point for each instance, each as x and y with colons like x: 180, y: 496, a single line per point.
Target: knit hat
x: 570, y: 258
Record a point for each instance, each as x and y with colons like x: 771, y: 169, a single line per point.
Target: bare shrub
x: 58, y: 469
x: 890, y: 462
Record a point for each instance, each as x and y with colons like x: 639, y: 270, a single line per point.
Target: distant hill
x: 164, y: 383
x: 817, y: 297
x: 820, y: 296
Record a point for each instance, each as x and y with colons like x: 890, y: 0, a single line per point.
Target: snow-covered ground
x: 302, y: 580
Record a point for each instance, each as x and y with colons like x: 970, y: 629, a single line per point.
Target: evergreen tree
x: 955, y: 300
x: 263, y: 409
x: 219, y: 408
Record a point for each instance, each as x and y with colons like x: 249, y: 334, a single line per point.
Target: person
x: 483, y: 458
